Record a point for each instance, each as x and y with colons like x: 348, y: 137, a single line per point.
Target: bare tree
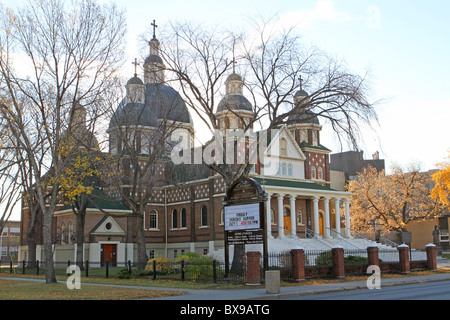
x: 273, y: 64
x: 68, y: 54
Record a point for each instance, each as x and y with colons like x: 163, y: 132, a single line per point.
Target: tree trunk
x: 140, y: 241
x: 238, y: 264
x: 48, y: 252
x: 33, y: 229
x: 81, y: 217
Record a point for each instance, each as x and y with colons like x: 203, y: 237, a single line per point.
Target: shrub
x: 163, y: 265
x: 196, y: 266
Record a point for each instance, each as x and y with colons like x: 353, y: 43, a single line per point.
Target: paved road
x: 421, y: 291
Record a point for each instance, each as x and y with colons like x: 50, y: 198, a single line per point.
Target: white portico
x: 305, y: 209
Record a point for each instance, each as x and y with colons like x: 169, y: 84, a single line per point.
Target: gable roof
x: 284, y: 131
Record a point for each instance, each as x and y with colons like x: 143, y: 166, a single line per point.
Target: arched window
x: 299, y: 217
x: 204, y: 216
x: 63, y: 233
x: 283, y: 147
x: 272, y: 216
x: 313, y: 173
x: 315, y: 140
x: 183, y: 218
x: 174, y: 219
x: 320, y: 173
x: 70, y: 227
x: 153, y: 220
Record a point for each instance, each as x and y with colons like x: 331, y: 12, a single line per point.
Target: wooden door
x: 321, y: 224
x: 287, y: 225
x: 109, y: 253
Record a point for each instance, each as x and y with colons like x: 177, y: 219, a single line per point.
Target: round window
x: 108, y: 226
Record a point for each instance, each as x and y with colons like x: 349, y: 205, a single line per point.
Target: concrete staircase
x: 321, y: 244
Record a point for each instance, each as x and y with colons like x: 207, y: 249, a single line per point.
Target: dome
x: 135, y: 80
x: 133, y: 114
x: 161, y: 102
x: 166, y: 103
x: 234, y: 102
x: 304, y: 116
x: 301, y: 93
x: 151, y: 59
x: 234, y: 76
x: 234, y: 99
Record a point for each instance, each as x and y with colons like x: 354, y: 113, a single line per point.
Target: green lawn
x: 27, y: 290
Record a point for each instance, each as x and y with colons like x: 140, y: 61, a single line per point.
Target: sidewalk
x: 285, y: 292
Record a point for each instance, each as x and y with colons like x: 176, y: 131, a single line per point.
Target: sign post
x: 244, y: 217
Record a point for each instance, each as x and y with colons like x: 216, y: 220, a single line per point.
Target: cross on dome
x: 154, y: 28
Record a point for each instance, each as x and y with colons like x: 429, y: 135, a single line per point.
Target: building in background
x: 10, y: 241
x: 345, y: 166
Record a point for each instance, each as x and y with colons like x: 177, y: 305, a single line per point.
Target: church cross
x: 154, y: 29
x: 135, y: 66
x: 301, y: 81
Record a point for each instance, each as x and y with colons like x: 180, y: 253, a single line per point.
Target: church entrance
x: 321, y: 223
x: 109, y: 253
x: 287, y: 221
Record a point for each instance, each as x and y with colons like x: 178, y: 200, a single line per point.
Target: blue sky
x: 404, y: 44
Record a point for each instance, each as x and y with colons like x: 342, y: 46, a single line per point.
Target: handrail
x: 381, y: 240
x: 319, y: 237
x: 341, y: 238
x: 390, y: 243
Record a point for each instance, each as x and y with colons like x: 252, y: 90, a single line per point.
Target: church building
x: 188, y: 217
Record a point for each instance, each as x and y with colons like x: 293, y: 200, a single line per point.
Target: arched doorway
x: 287, y: 220
x: 321, y: 224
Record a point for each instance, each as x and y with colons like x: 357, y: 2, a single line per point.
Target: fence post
x: 253, y: 267
x: 214, y: 271
x: 107, y: 269
x: 431, y: 256
x: 403, y: 254
x: 10, y: 266
x: 23, y: 266
x: 154, y: 269
x: 337, y: 254
x: 37, y: 267
x: 129, y: 266
x: 298, y: 263
x: 182, y: 270
x: 87, y: 268
x: 372, y: 255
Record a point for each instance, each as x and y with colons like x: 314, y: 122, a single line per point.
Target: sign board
x: 246, y: 237
x: 406, y: 237
x: 242, y: 217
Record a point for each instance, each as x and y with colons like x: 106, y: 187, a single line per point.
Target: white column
x: 293, y: 215
x: 326, y: 205
x: 337, y: 215
x: 316, y: 216
x: 269, y: 216
x: 280, y: 216
x: 347, y: 218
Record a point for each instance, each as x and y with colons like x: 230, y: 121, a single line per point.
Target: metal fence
x: 317, y: 264
x: 210, y: 271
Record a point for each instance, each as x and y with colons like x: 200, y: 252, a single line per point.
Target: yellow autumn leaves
x: 441, y: 189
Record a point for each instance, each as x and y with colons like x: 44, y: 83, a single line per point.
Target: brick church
x: 302, y: 209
